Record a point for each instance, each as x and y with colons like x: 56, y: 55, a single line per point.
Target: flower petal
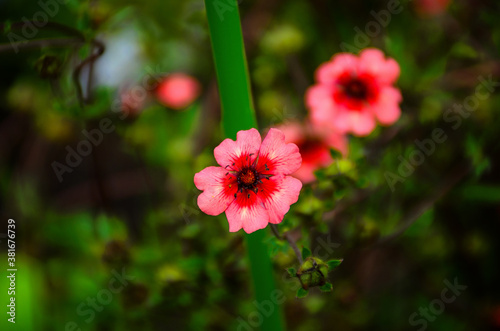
x: 341, y: 121
x: 247, y: 212
x: 238, y: 152
x: 373, y: 61
x: 362, y: 123
x: 387, y: 110
x: 328, y: 72
x: 218, y: 190
x: 276, y: 157
x: 278, y: 193
x: 318, y: 98
x: 306, y: 173
x: 293, y: 130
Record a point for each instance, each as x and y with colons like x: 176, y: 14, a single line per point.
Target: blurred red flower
x: 431, y: 7
x: 314, y: 148
x: 353, y: 92
x: 177, y: 91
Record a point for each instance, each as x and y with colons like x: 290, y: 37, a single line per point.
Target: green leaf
x: 7, y: 26
x: 328, y: 287
x: 306, y: 252
x: 292, y: 272
x: 481, y: 193
x: 334, y: 263
x: 301, y: 293
x: 463, y: 50
x: 335, y: 154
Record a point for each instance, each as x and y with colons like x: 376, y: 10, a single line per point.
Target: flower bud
x: 313, y: 272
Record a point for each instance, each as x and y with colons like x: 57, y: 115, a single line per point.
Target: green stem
x: 238, y: 114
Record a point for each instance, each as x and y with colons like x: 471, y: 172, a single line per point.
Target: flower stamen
x: 356, y: 89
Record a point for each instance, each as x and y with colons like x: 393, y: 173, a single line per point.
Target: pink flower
x: 131, y: 103
x: 314, y: 148
x: 177, y: 91
x: 352, y: 93
x: 252, y: 184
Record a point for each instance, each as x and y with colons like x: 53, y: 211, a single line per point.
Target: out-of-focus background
x: 109, y: 108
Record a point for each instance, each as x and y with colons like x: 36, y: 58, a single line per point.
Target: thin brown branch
x: 345, y: 203
x: 47, y: 25
x: 414, y: 214
x: 290, y: 240
x: 89, y: 60
x: 39, y: 43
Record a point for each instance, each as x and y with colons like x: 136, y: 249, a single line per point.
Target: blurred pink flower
x: 314, y: 148
x: 252, y: 184
x: 431, y: 7
x: 177, y: 91
x: 353, y: 92
x: 131, y: 103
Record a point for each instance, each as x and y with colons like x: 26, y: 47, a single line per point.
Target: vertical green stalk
x: 238, y: 114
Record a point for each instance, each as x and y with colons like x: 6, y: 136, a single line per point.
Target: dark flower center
x: 309, y: 145
x: 311, y: 149
x: 247, y: 177
x: 356, y: 89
